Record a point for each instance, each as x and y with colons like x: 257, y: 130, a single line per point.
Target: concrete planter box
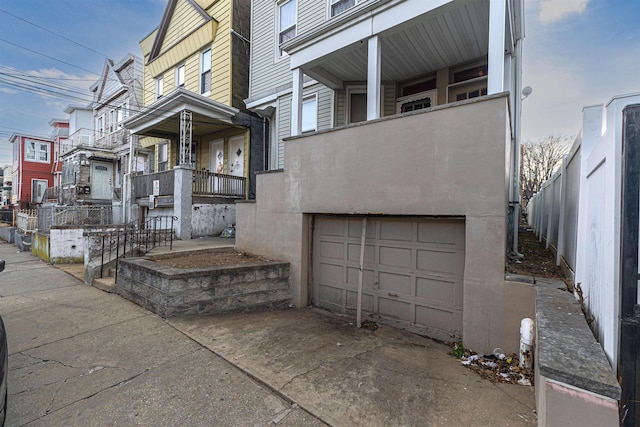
x: 171, y: 292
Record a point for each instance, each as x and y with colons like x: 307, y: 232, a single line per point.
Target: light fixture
x: 526, y: 91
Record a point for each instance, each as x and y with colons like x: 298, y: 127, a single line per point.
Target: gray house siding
x: 267, y: 71
x: 311, y: 13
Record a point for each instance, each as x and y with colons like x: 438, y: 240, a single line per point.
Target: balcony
x: 88, y: 138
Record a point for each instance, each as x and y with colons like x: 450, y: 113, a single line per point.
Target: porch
x: 204, y: 183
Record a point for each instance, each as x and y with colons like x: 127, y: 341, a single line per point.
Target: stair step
x: 106, y: 284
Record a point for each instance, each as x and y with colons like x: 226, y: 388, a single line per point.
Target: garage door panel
x: 394, y: 309
x: 334, y: 250
x: 440, y: 291
x: 332, y: 274
x: 355, y: 228
x: 330, y: 295
x: 395, y: 257
x: 367, y: 302
x: 441, y: 232
x: 434, y: 318
x: 448, y: 262
x: 354, y: 253
x: 395, y: 283
x: 397, y: 230
x: 367, y: 277
x: 332, y: 226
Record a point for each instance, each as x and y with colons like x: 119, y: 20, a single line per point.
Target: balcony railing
x: 204, y: 184
x: 87, y: 138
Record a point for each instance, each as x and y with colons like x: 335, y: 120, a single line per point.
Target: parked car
x: 4, y: 367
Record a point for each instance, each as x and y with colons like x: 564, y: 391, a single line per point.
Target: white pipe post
x: 361, y: 273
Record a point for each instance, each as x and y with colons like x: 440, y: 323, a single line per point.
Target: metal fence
x: 49, y: 216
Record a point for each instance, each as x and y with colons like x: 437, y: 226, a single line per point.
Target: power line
x: 54, y: 33
x: 47, y: 56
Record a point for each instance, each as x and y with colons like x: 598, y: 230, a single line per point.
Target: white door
x: 236, y: 155
x: 413, y: 271
x: 216, y: 156
x: 38, y: 190
x: 101, y: 180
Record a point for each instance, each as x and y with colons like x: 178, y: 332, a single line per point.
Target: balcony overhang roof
x: 162, y: 118
x: 439, y: 34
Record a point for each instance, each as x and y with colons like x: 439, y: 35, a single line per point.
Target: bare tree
x: 538, y: 161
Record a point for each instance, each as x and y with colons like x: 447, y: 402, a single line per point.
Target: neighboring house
x: 100, y: 151
x: 206, y: 146
x: 31, y: 171
x: 404, y: 113
x: 6, y: 185
x: 59, y: 135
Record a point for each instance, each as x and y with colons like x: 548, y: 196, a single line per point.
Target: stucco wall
x: 66, y: 245
x: 450, y: 161
x: 211, y: 219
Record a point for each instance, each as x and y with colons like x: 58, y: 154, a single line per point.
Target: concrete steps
x: 106, y: 284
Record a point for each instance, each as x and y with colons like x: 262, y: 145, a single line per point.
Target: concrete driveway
x: 357, y: 377
x: 79, y: 356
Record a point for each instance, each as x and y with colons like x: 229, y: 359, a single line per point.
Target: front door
x: 101, y: 180
x: 216, y: 157
x: 236, y: 155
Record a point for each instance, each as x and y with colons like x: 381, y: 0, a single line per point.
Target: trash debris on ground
x: 497, y: 367
x: 229, y: 232
x: 369, y: 324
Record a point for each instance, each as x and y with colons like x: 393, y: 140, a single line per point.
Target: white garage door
x: 413, y: 271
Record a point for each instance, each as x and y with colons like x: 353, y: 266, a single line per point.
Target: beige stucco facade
x: 450, y: 161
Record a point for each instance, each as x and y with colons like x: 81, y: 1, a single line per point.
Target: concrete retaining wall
x: 171, y: 292
x: 575, y: 384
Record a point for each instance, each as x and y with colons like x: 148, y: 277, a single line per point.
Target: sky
x: 576, y: 53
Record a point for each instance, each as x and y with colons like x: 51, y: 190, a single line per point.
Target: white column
x: 373, y: 79
x: 497, y: 26
x: 296, y: 103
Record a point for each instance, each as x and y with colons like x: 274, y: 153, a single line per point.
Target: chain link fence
x: 49, y: 216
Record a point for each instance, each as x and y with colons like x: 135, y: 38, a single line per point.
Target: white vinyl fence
x: 577, y: 214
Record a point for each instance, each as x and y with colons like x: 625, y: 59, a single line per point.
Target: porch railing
x: 205, y: 183
x: 143, y: 184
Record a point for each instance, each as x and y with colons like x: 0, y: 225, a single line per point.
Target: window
x: 100, y: 126
x: 163, y: 156
x: 339, y: 6
x: 37, y: 151
x: 309, y: 114
x: 180, y: 76
x: 205, y: 72
x: 121, y: 114
x: 287, y: 20
x: 159, y: 87
x: 112, y: 120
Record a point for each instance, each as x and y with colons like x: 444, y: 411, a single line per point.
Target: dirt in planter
x: 211, y: 259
